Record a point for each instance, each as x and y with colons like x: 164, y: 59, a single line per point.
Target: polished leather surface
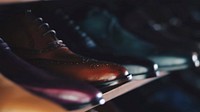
x: 32, y: 40
x: 102, y: 30
x: 71, y: 33
x: 15, y: 99
x: 106, y: 30
x: 45, y: 84
x: 83, y: 44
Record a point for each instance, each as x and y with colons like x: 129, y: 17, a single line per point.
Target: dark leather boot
x: 32, y: 39
x: 68, y: 92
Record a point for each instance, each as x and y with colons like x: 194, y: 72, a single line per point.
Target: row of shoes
x: 101, y: 36
x: 67, y: 72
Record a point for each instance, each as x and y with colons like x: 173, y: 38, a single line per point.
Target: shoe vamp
x: 85, y: 70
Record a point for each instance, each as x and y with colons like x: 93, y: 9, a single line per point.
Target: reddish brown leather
x: 15, y: 1
x: 25, y: 36
x: 15, y: 99
x: 61, y: 61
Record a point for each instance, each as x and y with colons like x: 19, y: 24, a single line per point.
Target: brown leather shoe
x: 33, y: 40
x: 15, y: 99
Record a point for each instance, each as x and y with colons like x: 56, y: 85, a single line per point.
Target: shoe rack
x: 113, y: 92
x: 120, y: 90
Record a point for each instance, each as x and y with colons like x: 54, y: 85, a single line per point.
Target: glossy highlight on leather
x: 46, y: 84
x: 80, y: 42
x: 40, y: 46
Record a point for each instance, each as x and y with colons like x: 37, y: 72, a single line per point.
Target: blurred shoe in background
x: 103, y: 30
x: 158, y: 24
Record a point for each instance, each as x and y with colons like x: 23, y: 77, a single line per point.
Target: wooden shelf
x: 121, y: 90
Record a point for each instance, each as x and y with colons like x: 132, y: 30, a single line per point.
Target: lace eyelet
x: 39, y: 19
x: 45, y: 25
x: 66, y: 17
x: 50, y: 32
x: 71, y: 22
x: 77, y: 27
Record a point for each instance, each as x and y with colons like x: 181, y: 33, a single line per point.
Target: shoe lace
x: 87, y: 39
x: 48, y: 32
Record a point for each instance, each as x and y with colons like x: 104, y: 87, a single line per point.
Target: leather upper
x: 32, y: 40
x: 45, y: 83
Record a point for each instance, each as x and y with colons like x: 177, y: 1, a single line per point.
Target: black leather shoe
x: 111, y: 30
x: 159, y: 25
x: 165, y: 28
x: 70, y: 93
